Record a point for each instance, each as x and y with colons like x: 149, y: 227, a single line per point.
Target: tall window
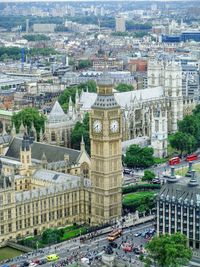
x: 156, y: 125
x: 53, y: 136
x: 153, y: 79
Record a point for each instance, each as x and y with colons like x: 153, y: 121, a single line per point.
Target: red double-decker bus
x: 174, y: 161
x: 191, y: 157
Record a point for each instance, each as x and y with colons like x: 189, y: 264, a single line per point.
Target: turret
x: 82, y: 144
x: 70, y: 109
x: 13, y: 130
x: 44, y: 161
x: 25, y: 151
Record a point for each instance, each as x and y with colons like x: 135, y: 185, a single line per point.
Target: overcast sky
x: 8, y: 1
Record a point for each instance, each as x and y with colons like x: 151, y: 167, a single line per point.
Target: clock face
x: 97, y: 126
x: 114, y: 126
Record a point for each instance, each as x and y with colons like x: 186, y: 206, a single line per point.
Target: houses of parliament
x: 44, y: 186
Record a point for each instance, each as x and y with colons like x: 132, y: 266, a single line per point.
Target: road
x: 159, y: 170
x: 73, y: 251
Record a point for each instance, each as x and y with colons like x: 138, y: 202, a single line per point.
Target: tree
x: 168, y: 251
x: 148, y: 176
x: 191, y: 125
x: 183, y: 142
x: 84, y: 63
x: 137, y: 157
x: 123, y: 87
x: 71, y: 92
x: 196, y: 111
x: 81, y: 129
x: 29, y: 116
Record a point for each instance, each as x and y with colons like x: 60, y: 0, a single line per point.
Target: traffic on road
x: 126, y: 244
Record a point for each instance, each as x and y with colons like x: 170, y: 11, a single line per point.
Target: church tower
x: 173, y: 90
x: 106, y: 165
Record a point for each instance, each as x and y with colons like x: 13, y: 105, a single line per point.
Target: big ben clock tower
x: 106, y: 165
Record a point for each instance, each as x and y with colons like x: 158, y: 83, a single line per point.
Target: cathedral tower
x: 173, y: 90
x: 106, y: 165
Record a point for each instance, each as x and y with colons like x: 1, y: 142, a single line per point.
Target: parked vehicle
x: 127, y: 171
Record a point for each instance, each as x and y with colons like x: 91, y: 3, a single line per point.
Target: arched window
x: 53, y: 136
x: 153, y: 79
x: 85, y: 170
x: 170, y: 80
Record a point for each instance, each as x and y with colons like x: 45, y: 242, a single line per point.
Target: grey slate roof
x: 4, y: 139
x: 53, y: 153
x: 181, y: 191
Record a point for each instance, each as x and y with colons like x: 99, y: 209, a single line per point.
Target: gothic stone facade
x: 152, y: 112
x: 34, y: 198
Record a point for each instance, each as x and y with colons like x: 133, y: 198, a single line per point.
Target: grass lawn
x: 183, y: 171
x: 8, y: 253
x: 136, y: 197
x: 73, y: 233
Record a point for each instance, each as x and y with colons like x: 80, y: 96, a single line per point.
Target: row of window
x: 43, y: 218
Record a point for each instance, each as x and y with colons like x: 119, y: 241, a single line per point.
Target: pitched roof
x: 53, y: 153
x: 57, y: 113
x: 124, y: 98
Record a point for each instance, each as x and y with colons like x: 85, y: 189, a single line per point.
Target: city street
x: 73, y: 250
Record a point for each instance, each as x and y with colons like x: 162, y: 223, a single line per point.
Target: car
x: 138, y: 234
x: 52, y: 257
x: 36, y: 260
x: 42, y: 261
x: 144, y: 233
x: 151, y: 231
x: 127, y: 171
x: 24, y: 264
x: 113, y: 245
x: 32, y: 264
x: 136, y: 251
x: 127, y: 247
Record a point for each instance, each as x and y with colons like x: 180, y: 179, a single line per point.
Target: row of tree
x: 187, y: 139
x: 15, y: 53
x: 36, y: 37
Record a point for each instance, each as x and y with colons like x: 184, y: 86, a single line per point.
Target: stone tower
x: 159, y: 131
x: 155, y: 73
x: 106, y: 165
x: 25, y: 152
x: 173, y: 90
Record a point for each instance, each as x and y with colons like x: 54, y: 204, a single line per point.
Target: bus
x: 114, y: 234
x: 174, y: 161
x: 191, y: 157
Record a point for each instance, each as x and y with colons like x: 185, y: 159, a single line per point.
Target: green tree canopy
x: 191, y: 125
x: 123, y: 87
x: 168, y: 251
x: 148, y: 176
x: 81, y: 129
x: 36, y: 37
x: 84, y: 63
x: 183, y: 142
x: 139, y: 157
x: 29, y: 116
x: 71, y: 92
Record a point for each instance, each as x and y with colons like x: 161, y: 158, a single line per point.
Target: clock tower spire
x: 106, y: 166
